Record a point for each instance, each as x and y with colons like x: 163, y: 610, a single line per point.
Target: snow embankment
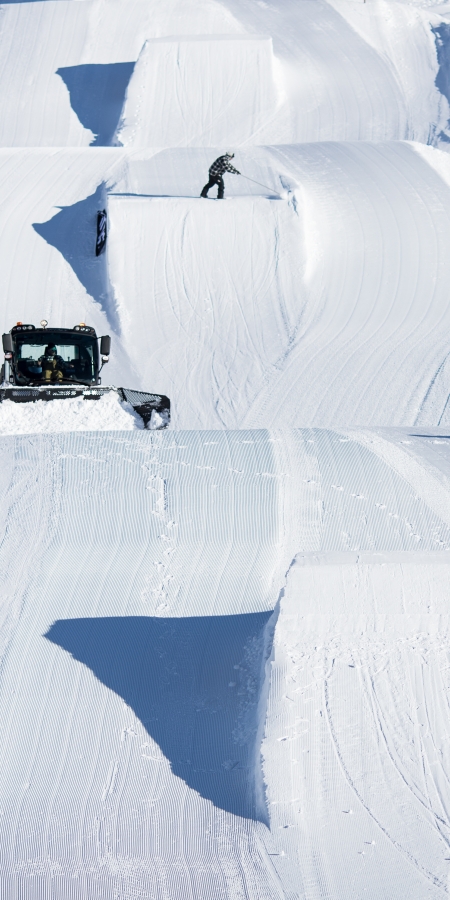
x: 146, y: 567
x: 375, y: 330
x: 361, y: 74
x: 200, y: 91
x: 108, y: 413
x: 151, y: 568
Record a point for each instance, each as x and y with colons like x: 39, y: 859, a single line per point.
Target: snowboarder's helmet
x: 230, y: 154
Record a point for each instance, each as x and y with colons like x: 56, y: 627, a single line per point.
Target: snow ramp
x: 140, y: 572
x: 330, y: 309
x: 200, y: 91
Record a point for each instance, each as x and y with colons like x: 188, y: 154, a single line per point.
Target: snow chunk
x: 108, y: 413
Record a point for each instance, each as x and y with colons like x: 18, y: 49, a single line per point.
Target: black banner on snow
x: 101, y: 232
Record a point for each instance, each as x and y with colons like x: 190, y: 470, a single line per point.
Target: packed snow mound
x: 108, y: 413
x: 224, y: 662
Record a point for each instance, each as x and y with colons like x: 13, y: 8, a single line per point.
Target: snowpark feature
x: 162, y: 105
x: 150, y: 625
x: 329, y: 309
x: 221, y: 318
x: 224, y: 647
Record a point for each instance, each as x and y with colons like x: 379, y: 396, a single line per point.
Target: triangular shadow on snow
x: 194, y: 683
x: 72, y: 231
x: 97, y: 94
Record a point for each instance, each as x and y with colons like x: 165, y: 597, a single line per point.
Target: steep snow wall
x: 48, y: 267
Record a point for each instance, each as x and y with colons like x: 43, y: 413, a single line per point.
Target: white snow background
x: 224, y: 647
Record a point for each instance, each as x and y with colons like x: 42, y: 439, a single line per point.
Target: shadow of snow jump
x: 73, y: 231
x: 97, y: 94
x: 194, y: 683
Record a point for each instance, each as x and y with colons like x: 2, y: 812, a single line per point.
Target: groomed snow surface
x: 224, y: 647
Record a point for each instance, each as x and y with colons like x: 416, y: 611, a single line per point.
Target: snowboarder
x: 220, y: 165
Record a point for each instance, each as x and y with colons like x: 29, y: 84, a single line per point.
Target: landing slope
x: 216, y: 290
x: 329, y: 309
x: 356, y: 748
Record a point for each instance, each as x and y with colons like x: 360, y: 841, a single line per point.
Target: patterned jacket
x: 222, y: 164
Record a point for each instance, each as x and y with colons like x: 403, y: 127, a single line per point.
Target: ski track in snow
x: 224, y: 653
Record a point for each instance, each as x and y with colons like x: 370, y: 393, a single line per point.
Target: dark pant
x: 214, y: 179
